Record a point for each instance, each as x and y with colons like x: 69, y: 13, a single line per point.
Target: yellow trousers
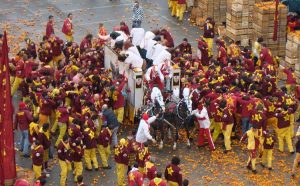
x: 170, y: 4
x: 180, y: 9
x: 104, y: 154
x: 253, y: 162
x: 77, y: 170
x: 12, y: 79
x: 121, y: 171
x: 171, y: 183
x: 119, y: 114
x: 51, y: 64
x: 212, y: 124
x: 62, y: 132
x: 272, y: 122
x: 89, y: 156
x: 209, y: 42
x: 57, y: 59
x: 285, y: 133
x: 65, y: 168
x: 174, y: 8
x: 227, y: 136
x: 292, y: 125
x: 37, y: 171
x: 36, y: 110
x: 267, y: 157
x: 54, y: 126
x: 217, y: 130
x: 15, y: 85
x: 43, y: 119
x: 46, y: 155
x: 69, y: 38
x: 288, y: 87
x: 296, y: 161
x: 68, y: 102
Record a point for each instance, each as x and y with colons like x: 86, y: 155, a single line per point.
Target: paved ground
x: 24, y: 18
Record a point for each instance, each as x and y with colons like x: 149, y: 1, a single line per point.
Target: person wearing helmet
x: 156, y: 97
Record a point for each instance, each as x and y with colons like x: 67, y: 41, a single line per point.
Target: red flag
x: 7, y: 137
x: 1, y: 121
x: 276, y: 21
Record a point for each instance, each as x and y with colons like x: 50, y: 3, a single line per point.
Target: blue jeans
x: 24, y: 142
x: 114, y: 136
x: 245, y: 125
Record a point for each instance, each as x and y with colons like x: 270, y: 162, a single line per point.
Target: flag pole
x: 276, y: 21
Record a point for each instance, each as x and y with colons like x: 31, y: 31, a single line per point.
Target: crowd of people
x: 69, y: 101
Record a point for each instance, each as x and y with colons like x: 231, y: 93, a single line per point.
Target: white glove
x: 37, y: 154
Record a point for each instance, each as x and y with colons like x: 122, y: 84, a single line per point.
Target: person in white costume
x: 138, y: 37
x: 154, y: 76
x: 204, y: 126
x: 149, y: 36
x: 161, y: 57
x: 115, y: 37
x: 156, y: 96
x: 143, y: 133
x: 187, y: 97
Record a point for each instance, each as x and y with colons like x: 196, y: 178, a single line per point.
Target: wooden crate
x: 293, y: 51
x: 215, y: 9
x: 239, y: 20
x: 263, y: 26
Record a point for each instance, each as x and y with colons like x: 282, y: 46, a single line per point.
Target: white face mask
x: 129, y: 137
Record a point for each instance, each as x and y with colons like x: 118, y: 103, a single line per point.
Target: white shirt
x: 202, y: 114
x: 150, y: 48
x: 148, y: 37
x: 138, y: 35
x: 161, y: 57
x: 134, y: 60
x: 156, y: 50
x: 143, y: 133
x: 134, y: 50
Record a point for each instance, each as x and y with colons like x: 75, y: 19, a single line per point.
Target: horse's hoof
x: 161, y: 144
x: 174, y: 147
x: 188, y: 144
